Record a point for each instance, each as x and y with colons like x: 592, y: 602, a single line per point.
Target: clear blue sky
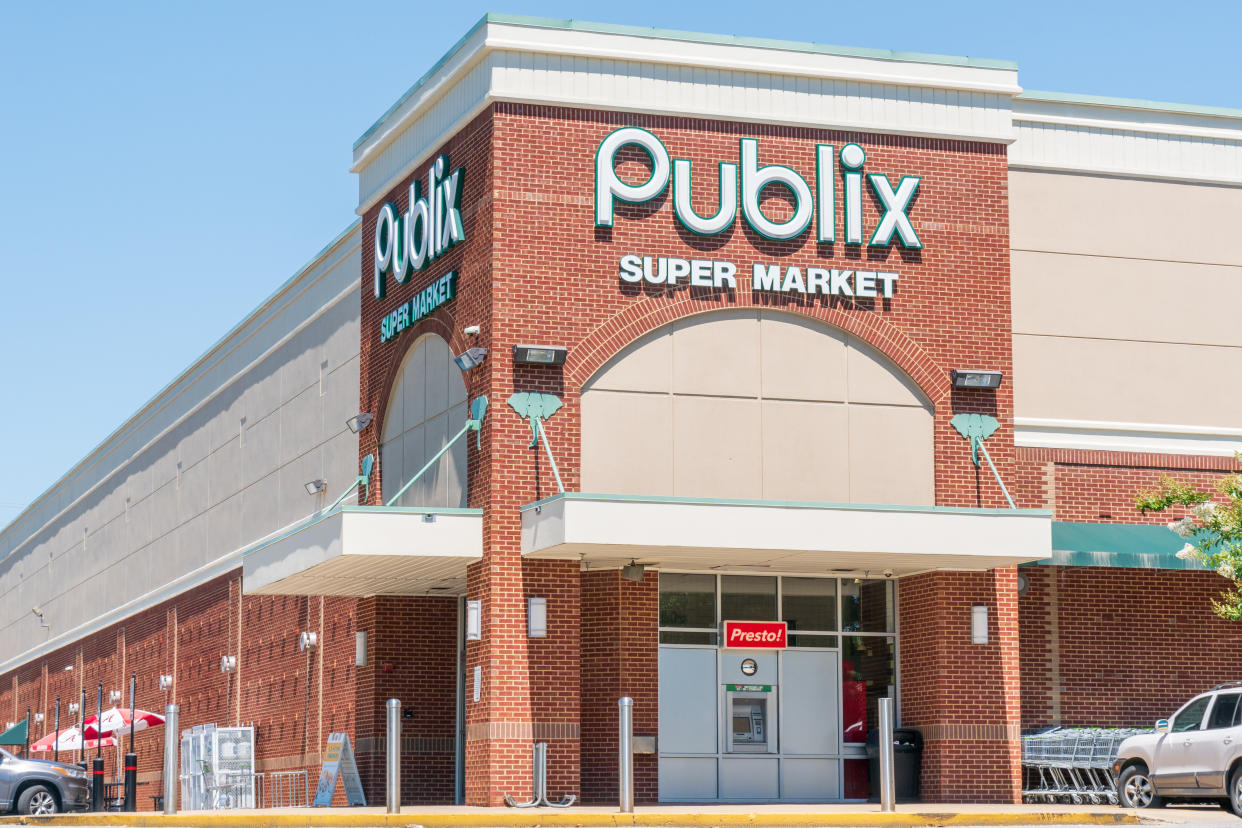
x: 164, y: 166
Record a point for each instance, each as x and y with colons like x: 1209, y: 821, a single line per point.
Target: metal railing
x: 282, y: 789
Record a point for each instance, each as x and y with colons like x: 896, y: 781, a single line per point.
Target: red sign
x: 763, y: 634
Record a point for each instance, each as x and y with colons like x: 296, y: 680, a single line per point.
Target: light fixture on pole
x: 358, y: 422
x: 540, y: 354
x: 316, y: 486
x: 975, y: 378
x: 470, y: 358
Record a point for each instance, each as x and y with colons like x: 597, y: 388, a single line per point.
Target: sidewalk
x: 670, y: 816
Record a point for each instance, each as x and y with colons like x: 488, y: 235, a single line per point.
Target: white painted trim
x: 1149, y: 438
x: 1124, y: 172
x: 352, y: 289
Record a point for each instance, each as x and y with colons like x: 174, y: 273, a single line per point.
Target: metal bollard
x: 392, y: 749
x: 172, y: 746
x: 625, y: 742
x: 887, y: 788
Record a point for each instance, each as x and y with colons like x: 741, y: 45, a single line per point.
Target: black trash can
x: 907, y: 763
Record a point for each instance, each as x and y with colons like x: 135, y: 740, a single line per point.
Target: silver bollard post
x: 172, y: 746
x: 392, y: 749
x: 888, y: 797
x: 625, y: 743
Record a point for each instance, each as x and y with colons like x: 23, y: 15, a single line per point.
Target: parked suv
x: 39, y: 787
x: 1195, y: 755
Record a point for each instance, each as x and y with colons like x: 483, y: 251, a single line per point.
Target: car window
x: 1191, y: 715
x: 1224, y: 711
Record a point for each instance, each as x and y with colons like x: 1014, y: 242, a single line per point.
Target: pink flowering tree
x: 1212, y: 528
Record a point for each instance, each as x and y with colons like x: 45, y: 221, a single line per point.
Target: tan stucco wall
x: 712, y: 406
x: 1125, y: 298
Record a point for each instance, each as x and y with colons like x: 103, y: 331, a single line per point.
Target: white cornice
x: 1146, y: 438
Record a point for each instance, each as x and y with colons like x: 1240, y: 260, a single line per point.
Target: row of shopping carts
x: 1072, y: 765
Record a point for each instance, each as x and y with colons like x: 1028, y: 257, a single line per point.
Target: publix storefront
x: 757, y: 382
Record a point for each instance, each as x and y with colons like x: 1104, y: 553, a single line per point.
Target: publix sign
x: 840, y: 180
x: 407, y: 242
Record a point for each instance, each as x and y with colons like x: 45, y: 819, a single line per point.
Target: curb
x: 570, y: 819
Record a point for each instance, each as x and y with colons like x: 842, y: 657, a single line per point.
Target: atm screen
x: 748, y: 718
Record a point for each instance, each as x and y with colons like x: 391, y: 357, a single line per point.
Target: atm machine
x: 749, y: 709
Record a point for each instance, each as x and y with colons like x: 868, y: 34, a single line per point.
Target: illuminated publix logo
x: 609, y: 188
x: 409, y: 241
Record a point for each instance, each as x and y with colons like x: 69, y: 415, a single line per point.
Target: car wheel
x: 37, y: 801
x: 1134, y: 789
x: 1235, y: 791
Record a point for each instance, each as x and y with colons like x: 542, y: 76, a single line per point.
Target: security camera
x: 471, y: 330
x: 888, y: 573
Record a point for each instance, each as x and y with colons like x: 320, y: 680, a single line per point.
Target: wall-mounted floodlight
x: 470, y: 358
x: 166, y: 682
x: 972, y: 378
x: 316, y: 486
x: 74, y: 707
x: 633, y: 571
x: 38, y: 718
x: 540, y: 354
x: 307, y: 641
x: 114, y: 697
x: 228, y: 664
x: 358, y: 422
x: 537, y: 617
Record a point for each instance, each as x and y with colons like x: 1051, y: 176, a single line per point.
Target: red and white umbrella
x: 69, y: 739
x: 115, y: 721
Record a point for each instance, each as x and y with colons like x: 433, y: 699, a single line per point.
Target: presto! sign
x: 769, y: 635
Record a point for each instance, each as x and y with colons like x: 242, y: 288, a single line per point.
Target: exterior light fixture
x: 74, y: 707
x: 973, y: 378
x: 633, y: 571
x: 358, y: 422
x: 228, y: 664
x: 166, y: 682
x: 537, y: 617
x: 979, y: 624
x: 316, y: 486
x: 307, y: 641
x: 38, y: 718
x: 474, y: 620
x: 114, y: 697
x: 540, y: 354
x: 360, y: 648
x: 470, y: 358
x: 68, y: 668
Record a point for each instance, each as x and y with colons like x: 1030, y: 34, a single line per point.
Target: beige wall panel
x: 805, y: 451
x: 717, y: 447
x: 1109, y: 298
x: 873, y: 379
x: 1132, y: 218
x: 628, y: 448
x: 1119, y: 381
x: 717, y: 353
x: 801, y: 359
x: 645, y: 365
x: 891, y: 455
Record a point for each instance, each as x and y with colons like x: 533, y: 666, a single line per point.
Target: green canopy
x: 15, y: 735
x: 1117, y: 544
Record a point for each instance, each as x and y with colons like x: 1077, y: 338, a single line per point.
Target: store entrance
x: 749, y: 725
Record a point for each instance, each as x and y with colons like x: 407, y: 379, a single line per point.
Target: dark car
x: 40, y: 787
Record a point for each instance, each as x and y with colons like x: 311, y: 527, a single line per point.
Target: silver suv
x: 1195, y: 755
x: 39, y: 788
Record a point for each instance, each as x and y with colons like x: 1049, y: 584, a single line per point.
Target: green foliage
x: 1212, y: 527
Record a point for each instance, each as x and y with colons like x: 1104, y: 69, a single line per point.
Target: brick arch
x: 380, y: 395
x: 639, y: 319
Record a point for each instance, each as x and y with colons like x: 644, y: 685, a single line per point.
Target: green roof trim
x: 784, y: 504
x: 1129, y: 103
x: 1116, y: 545
x: 693, y: 37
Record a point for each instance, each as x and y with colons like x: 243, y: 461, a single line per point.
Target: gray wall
x: 217, y: 461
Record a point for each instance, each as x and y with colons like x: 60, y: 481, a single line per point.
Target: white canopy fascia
x: 604, y: 530
x: 369, y: 550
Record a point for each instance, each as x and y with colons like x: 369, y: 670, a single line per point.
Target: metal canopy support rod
x: 996, y: 474
x: 543, y: 438
x: 363, y: 479
x: 478, y: 410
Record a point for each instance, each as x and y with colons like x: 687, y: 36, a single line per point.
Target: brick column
x: 620, y: 657
x: 964, y: 697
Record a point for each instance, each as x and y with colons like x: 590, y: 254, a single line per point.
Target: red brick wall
x: 964, y: 697
x: 620, y: 657
x: 294, y: 699
x: 1123, y: 647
